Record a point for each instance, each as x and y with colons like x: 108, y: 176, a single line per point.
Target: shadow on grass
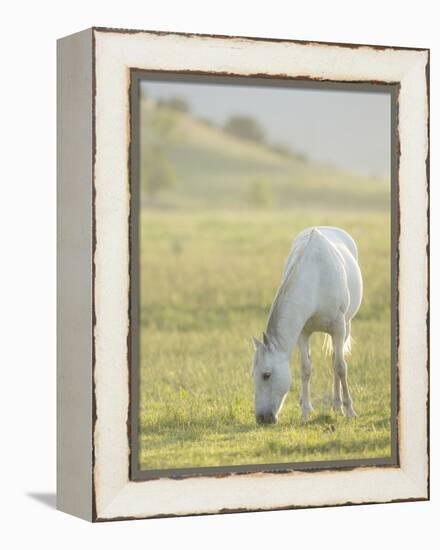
x: 327, y: 422
x: 321, y: 419
x: 197, y: 425
x: 330, y: 449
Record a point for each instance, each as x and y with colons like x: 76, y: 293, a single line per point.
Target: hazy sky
x: 348, y: 129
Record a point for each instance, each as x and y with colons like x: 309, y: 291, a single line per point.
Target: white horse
x: 320, y: 291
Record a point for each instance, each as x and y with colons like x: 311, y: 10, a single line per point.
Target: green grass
x: 207, y: 282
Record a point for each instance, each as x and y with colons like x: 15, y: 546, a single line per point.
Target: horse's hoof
x: 305, y: 414
x: 350, y: 413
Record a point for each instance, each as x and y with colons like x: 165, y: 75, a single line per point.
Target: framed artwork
x: 243, y: 282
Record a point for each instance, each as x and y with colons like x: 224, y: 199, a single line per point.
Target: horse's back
x: 335, y: 235
x: 335, y: 254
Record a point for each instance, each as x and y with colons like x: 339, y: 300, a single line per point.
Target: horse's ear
x: 266, y: 340
x: 257, y: 343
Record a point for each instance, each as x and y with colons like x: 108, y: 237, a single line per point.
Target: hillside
x: 215, y: 169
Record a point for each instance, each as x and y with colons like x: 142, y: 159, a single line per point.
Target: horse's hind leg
x: 340, y: 368
x: 337, y: 402
x: 306, y: 372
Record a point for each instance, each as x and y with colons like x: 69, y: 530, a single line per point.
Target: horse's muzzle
x: 268, y: 418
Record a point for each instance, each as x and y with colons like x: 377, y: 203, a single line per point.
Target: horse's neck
x: 288, y: 312
x: 286, y: 322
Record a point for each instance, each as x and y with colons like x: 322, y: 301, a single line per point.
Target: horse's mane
x: 293, y: 260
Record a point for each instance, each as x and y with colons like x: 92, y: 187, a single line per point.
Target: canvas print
x: 265, y: 275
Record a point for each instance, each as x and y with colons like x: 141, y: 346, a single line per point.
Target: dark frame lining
x: 139, y: 75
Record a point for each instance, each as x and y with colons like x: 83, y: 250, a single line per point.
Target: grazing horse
x: 320, y: 291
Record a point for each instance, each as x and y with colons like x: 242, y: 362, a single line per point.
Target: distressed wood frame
x: 94, y: 338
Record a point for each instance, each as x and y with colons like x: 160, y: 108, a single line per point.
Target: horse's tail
x: 347, y: 344
x: 327, y: 346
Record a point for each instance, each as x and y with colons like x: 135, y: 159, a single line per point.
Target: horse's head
x: 272, y: 379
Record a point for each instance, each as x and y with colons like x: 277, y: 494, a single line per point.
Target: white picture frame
x: 94, y: 194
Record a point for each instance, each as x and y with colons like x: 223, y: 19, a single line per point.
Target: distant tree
x: 176, y: 103
x: 302, y: 157
x: 281, y: 149
x: 206, y: 121
x: 246, y: 127
x: 260, y: 193
x: 160, y: 127
x: 156, y: 171
x: 179, y: 104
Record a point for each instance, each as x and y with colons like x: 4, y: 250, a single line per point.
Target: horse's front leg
x: 306, y: 373
x: 340, y: 368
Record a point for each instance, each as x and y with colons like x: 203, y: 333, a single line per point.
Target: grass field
x: 207, y: 282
